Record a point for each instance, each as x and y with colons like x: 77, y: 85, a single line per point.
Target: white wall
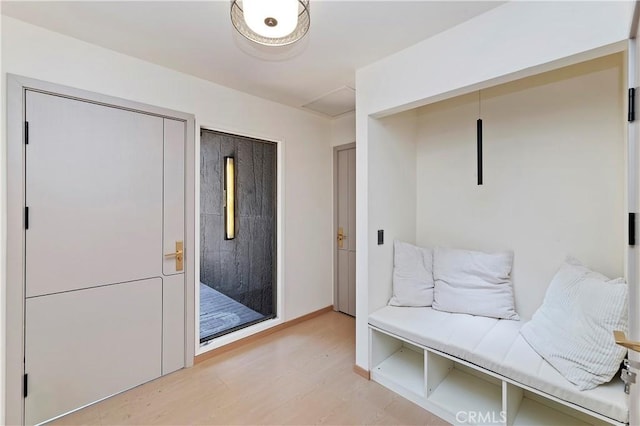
x: 392, y: 197
x: 554, y: 174
x: 3, y: 240
x: 34, y: 52
x: 343, y: 129
x: 512, y: 41
x: 500, y: 45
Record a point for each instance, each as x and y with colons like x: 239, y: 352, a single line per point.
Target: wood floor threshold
x: 233, y: 345
x: 361, y: 372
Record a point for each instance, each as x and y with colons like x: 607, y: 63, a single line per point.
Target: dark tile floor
x: 219, y: 313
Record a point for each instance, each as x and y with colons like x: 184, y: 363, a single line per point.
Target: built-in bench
x: 478, y: 370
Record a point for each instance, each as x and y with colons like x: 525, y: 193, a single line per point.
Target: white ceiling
x: 197, y: 38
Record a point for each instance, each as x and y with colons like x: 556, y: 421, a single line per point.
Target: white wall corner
x: 343, y: 129
x: 362, y: 230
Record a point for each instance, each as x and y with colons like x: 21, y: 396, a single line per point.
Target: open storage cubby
x: 399, y: 365
x: 463, y: 393
x: 460, y: 389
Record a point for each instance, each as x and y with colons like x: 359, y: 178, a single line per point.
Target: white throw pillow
x: 573, y: 329
x: 472, y: 282
x: 412, y: 275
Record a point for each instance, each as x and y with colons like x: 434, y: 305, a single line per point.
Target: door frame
x: 337, y: 149
x: 15, y: 244
x: 226, y: 339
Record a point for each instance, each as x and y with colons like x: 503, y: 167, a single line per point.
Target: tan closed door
x: 104, y: 308
x: 346, y: 232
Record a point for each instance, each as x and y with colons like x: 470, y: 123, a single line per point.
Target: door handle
x: 341, y: 237
x: 179, y: 255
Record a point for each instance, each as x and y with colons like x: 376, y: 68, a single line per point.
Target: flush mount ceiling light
x: 271, y: 22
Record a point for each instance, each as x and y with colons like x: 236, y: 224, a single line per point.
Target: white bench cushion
x: 496, y: 345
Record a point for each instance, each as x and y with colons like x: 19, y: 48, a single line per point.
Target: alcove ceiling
x: 198, y: 38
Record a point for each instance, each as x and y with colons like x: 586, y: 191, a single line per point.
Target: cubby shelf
x: 462, y: 393
x: 404, y: 368
x: 532, y: 413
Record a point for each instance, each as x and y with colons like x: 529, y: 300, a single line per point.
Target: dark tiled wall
x: 242, y: 268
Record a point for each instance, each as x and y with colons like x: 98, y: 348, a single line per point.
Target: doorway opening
x: 238, y: 232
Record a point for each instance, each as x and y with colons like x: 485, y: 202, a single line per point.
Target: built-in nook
x: 554, y: 185
x: 554, y: 177
x: 554, y: 173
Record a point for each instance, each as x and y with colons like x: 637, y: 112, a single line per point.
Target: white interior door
x: 346, y: 238
x: 104, y: 204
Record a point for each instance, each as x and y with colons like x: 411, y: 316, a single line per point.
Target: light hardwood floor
x: 300, y: 375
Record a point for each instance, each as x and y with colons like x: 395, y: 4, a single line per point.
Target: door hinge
x: 632, y: 229
x: 26, y: 133
x: 25, y: 383
x: 26, y: 218
x: 632, y: 104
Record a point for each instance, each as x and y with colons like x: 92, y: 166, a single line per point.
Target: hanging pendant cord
x: 479, y: 140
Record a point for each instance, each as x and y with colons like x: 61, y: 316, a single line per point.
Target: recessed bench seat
x: 497, y: 346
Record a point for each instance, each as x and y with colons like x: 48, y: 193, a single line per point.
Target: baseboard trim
x: 361, y: 372
x: 245, y: 340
